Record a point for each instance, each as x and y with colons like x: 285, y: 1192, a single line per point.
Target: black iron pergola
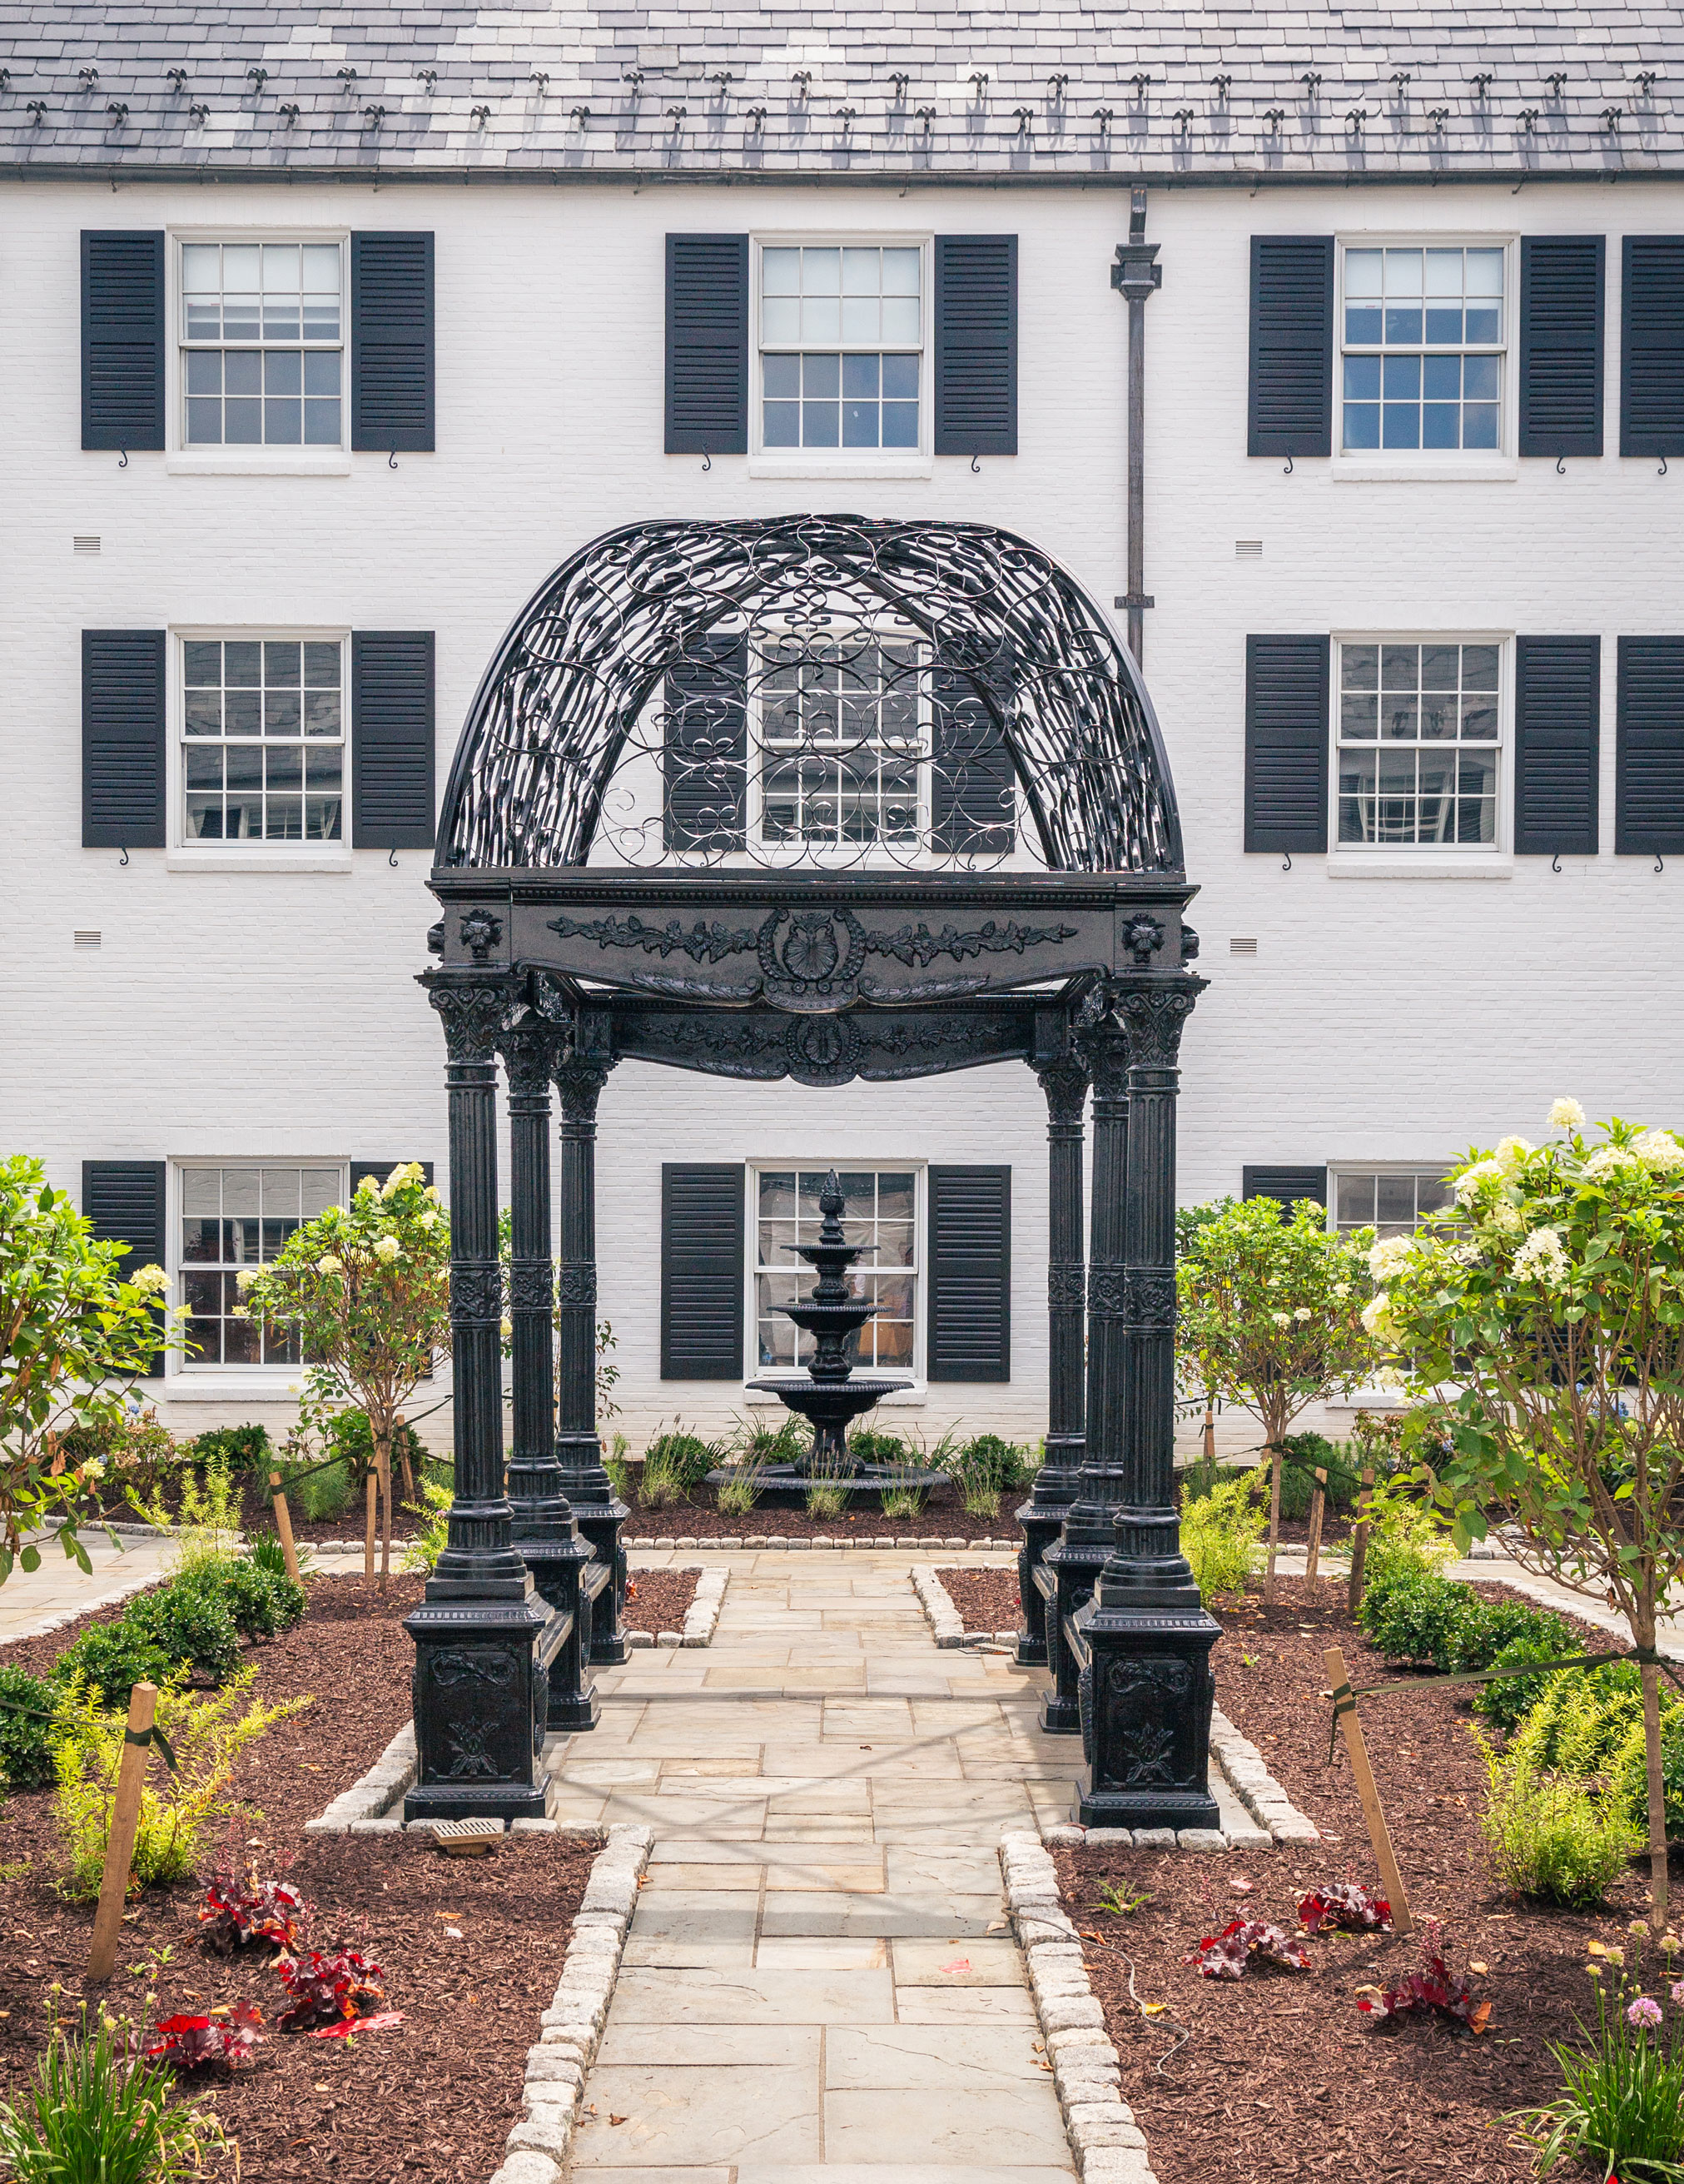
x: 749, y: 799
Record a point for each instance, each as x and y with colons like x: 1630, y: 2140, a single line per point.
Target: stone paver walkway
x: 820, y: 1985
x: 33, y: 1601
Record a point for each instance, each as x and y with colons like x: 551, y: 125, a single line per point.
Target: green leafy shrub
x: 25, y: 1740
x: 188, y: 1624
x: 430, y: 1543
x: 1507, y: 1703
x: 131, y: 1455
x: 674, y: 1465
x: 984, y: 1469
x: 1552, y: 1836
x: 235, y: 1448
x: 262, y: 1603
x: 872, y: 1447
x: 112, y: 1658
x: 784, y: 1443
x: 1581, y: 1720
x: 96, y: 2113
x: 351, y: 1439
x: 1298, y: 1479
x: 1220, y: 1532
x: 1628, y: 1775
x: 319, y: 1496
x: 1414, y: 1620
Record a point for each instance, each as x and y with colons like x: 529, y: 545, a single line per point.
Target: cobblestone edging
x: 572, y: 2025
x: 1109, y: 2145
x: 700, y: 1618
x: 758, y: 1542
x: 944, y: 1619
x: 365, y: 1808
x: 1255, y: 1787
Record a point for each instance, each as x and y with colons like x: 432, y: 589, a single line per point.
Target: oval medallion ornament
x: 810, y: 960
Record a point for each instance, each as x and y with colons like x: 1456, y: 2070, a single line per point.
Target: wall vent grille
x: 85, y: 543
x: 1242, y: 944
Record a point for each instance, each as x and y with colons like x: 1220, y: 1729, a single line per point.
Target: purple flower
x: 1643, y: 2011
x: 1678, y: 1991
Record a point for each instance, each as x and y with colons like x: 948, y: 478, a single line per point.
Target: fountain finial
x: 831, y: 1201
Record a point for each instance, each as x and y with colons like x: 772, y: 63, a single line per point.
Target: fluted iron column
x: 580, y: 1073
x: 1064, y: 1081
x: 544, y: 1531
x: 481, y: 1655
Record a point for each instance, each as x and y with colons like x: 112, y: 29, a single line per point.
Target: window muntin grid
x: 262, y: 357
x: 263, y: 739
x: 841, y: 738
x: 1392, y: 1201
x: 1423, y: 348
x: 1418, y: 729
x: 241, y: 1217
x: 880, y: 1208
x: 842, y: 336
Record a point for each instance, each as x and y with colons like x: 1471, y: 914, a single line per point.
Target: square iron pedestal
x: 482, y: 1695
x: 1145, y: 1692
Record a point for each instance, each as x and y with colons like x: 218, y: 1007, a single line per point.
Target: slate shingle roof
x: 1072, y: 90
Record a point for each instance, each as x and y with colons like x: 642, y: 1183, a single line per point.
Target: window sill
x: 330, y: 463
x: 842, y: 466
x: 1350, y: 865
x: 257, y: 1383
x: 253, y: 861
x: 1348, y: 471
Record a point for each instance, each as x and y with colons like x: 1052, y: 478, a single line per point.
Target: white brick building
x: 206, y: 1006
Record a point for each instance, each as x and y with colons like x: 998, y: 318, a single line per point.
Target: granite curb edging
x: 572, y: 2025
x: 944, y: 1619
x: 365, y: 1808
x: 700, y: 1618
x: 1109, y: 2145
x: 767, y: 1542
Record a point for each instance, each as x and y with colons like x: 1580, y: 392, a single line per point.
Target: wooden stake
x: 368, y: 1525
x: 386, y: 1507
x: 119, y: 1844
x: 283, y: 1524
x: 1378, y: 1834
x: 1317, y: 1504
x: 1353, y: 1598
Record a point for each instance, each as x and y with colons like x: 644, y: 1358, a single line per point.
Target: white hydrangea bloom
x: 1511, y: 1151
x: 1388, y: 1376
x: 150, y: 1279
x: 1566, y: 1115
x: 245, y: 1278
x: 1658, y: 1150
x: 507, y: 1325
x: 1541, y: 1257
x: 1388, y: 1255
x: 1302, y: 1312
x: 1281, y: 1319
x: 1506, y: 1216
x: 387, y: 1248
x: 329, y: 1265
x: 1609, y: 1161
x: 1470, y: 1181
x: 1373, y: 1314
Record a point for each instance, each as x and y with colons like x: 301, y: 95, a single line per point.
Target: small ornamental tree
x: 74, y: 1338
x: 1270, y: 1305
x: 366, y: 1289
x: 1542, y: 1318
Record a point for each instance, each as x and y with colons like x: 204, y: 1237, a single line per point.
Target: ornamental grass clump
x: 1554, y: 1837
x: 1621, y: 2109
x: 1542, y: 1319
x: 97, y: 2114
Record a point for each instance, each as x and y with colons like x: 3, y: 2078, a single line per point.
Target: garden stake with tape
x: 283, y: 1524
x: 1345, y: 1712
x: 119, y: 1844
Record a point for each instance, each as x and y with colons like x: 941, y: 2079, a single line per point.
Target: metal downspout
x: 1135, y: 276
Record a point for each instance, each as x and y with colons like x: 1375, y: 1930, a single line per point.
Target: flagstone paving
x: 818, y: 1984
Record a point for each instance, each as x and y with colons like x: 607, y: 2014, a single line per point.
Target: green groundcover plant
x: 1540, y: 1318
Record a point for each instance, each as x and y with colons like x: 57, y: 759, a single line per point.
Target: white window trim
x: 192, y: 1382
x: 1493, y: 860
x: 1371, y: 1398
x: 844, y: 462
x: 184, y: 855
x: 916, y: 1388
x: 182, y: 461
x: 1432, y: 466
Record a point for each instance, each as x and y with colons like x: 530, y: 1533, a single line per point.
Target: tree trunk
x: 1273, y: 1522
x: 1317, y: 1502
x: 406, y: 1470
x: 1651, y: 1680
x: 1209, y: 1447
x: 383, y: 1474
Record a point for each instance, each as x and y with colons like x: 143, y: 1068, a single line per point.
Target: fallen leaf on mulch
x: 377, y: 2023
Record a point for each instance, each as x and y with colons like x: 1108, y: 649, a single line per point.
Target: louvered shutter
x: 1648, y: 771
x: 124, y: 1199
x: 391, y: 739
x: 1288, y: 1185
x: 380, y: 1169
x: 976, y: 345
x: 702, y: 1292
x: 123, y: 307
x: 1286, y: 727
x: 1652, y: 345
x: 123, y: 756
x: 1290, y: 411
x: 707, y: 405
x: 1561, y: 344
x: 1558, y: 682
x: 704, y: 747
x: 972, y: 797
x: 968, y: 1321
x: 392, y: 341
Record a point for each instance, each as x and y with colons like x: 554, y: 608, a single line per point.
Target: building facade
x: 330, y: 339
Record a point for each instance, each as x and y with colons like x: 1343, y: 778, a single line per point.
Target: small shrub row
x: 1411, y: 1612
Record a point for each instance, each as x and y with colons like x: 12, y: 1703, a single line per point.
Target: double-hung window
x: 263, y: 344
x: 1392, y: 1201
x: 880, y: 1209
x: 842, y: 343
x: 1424, y: 342
x: 263, y: 739
x: 1419, y: 729
x: 241, y: 1217
x: 841, y: 738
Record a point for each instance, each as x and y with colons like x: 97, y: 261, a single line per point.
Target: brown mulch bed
x: 471, y: 1949
x: 1283, y: 2076
x: 987, y: 1599
x: 942, y: 1518
x: 656, y: 1599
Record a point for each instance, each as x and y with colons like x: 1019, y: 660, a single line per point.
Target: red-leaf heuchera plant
x: 194, y: 2043
x: 240, y: 1908
x: 1343, y: 1907
x: 326, y: 1985
x: 1435, y: 1987
x: 1226, y: 1955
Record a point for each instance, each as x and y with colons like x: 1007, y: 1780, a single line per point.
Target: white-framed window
x: 263, y: 343
x: 262, y: 738
x: 881, y: 1209
x: 842, y: 347
x: 1425, y: 332
x: 1391, y: 1201
x: 233, y: 1215
x: 1418, y: 730
x: 842, y: 742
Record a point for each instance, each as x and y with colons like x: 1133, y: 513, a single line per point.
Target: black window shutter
x: 1558, y: 685
x: 972, y: 798
x: 1652, y: 345
x: 123, y: 307
x: 1561, y: 344
x: 380, y: 1169
x: 704, y: 747
x: 970, y: 1318
x: 706, y: 345
x: 124, y: 1199
x: 1290, y: 411
x: 1649, y: 766
x: 123, y: 738
x: 1288, y: 1185
x: 1286, y: 728
x: 392, y: 341
x: 701, y: 1296
x: 976, y: 345
x: 391, y: 739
